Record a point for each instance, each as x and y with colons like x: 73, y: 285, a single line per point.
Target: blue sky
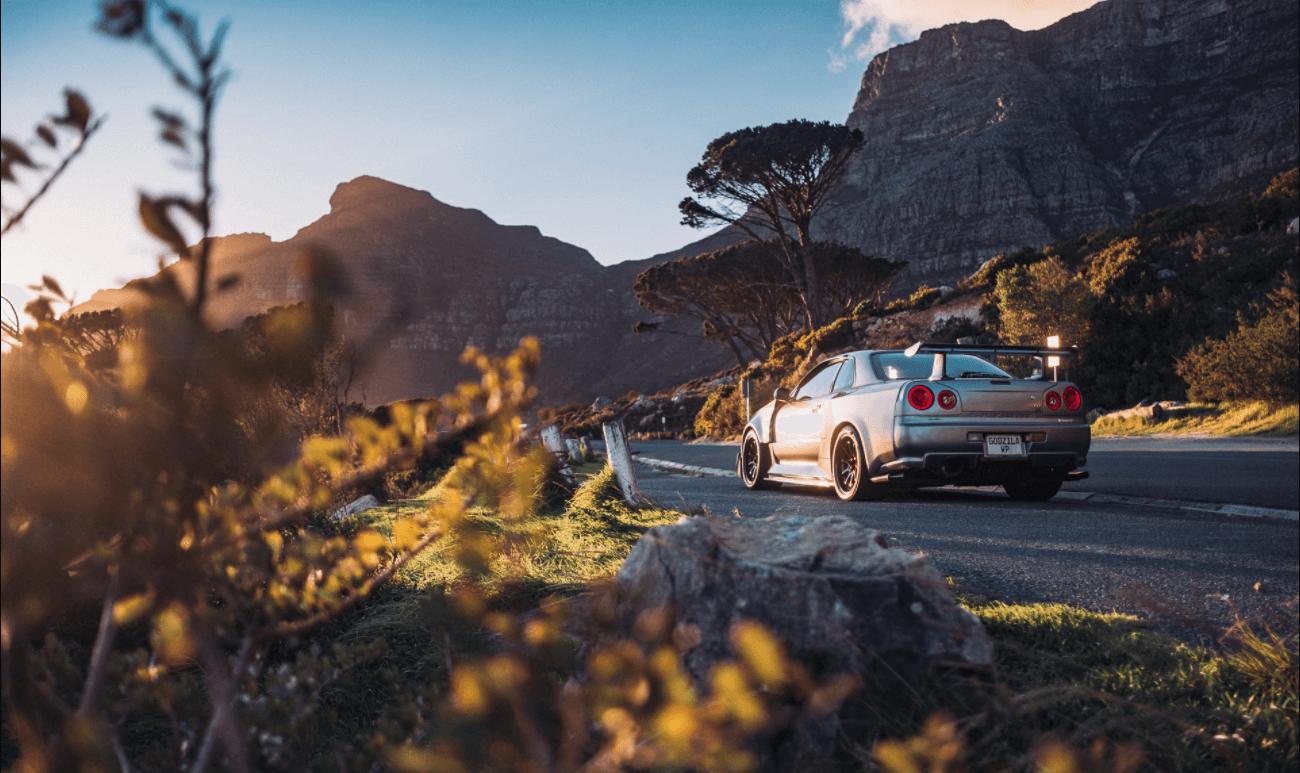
x: 581, y: 118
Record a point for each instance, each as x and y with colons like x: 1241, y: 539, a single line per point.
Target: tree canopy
x: 746, y: 298
x: 770, y: 181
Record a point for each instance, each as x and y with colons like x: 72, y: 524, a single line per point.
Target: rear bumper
x: 929, y: 452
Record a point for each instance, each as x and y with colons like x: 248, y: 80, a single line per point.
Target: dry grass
x: 1255, y: 419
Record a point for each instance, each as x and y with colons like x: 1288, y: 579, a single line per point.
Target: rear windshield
x: 896, y: 366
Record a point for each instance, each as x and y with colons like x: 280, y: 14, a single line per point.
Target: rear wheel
x: 753, y: 463
x: 1032, y: 489
x: 849, y: 467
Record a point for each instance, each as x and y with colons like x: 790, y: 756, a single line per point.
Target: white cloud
x: 872, y: 26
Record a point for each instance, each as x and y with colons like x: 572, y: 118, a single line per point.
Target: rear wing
x: 940, y: 352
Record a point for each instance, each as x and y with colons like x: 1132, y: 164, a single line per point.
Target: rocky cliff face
x: 981, y: 138
x: 428, y: 279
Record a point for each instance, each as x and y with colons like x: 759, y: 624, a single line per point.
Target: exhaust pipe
x: 953, y: 467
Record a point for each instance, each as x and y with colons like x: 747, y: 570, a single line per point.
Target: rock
x: 601, y: 402
x: 1293, y: 227
x: 1097, y: 413
x: 1151, y: 411
x: 1166, y: 273
x: 358, y: 505
x: 840, y: 599
x: 576, y: 454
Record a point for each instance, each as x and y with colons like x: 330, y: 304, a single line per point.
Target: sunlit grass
x: 1225, y: 419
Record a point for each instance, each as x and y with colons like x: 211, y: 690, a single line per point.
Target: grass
x: 1225, y: 419
x: 1066, y: 682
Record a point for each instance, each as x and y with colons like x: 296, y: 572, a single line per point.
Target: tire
x: 1032, y: 489
x: 752, y: 464
x: 849, y: 468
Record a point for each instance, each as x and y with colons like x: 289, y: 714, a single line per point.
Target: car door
x: 797, y: 425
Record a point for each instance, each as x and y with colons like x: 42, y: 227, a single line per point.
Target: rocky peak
x: 982, y: 138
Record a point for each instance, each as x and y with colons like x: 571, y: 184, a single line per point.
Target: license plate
x: 1003, y: 445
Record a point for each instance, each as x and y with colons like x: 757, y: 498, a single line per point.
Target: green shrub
x: 1043, y: 299
x: 722, y: 415
x: 1257, y: 361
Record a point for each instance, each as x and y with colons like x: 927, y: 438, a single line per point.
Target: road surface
x: 1181, y: 569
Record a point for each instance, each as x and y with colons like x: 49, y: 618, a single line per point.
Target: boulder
x: 841, y: 600
x: 1293, y: 227
x: 601, y: 402
x: 358, y: 505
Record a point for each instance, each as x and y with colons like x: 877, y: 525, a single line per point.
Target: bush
x: 722, y: 415
x: 1042, y: 299
x: 1258, y: 361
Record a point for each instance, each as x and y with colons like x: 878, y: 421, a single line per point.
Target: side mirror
x: 782, y: 395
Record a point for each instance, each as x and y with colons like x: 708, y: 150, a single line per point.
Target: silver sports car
x: 933, y: 415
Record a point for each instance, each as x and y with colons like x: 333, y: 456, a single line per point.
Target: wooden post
x: 554, y: 442
x: 620, y: 458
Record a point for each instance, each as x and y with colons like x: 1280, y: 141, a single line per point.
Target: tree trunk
x: 812, y: 288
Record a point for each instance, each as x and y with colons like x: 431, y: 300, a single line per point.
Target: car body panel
x: 930, y: 447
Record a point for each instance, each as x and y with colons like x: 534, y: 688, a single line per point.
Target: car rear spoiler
x: 940, y: 352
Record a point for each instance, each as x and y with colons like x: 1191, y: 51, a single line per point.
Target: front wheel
x: 1032, y: 489
x: 849, y: 465
x: 753, y: 463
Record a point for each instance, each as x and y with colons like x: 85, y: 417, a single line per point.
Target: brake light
x: 1072, y: 399
x: 1053, y: 401
x: 947, y: 400
x: 920, y: 397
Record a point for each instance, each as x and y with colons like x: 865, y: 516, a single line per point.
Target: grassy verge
x: 1096, y: 689
x: 1225, y: 419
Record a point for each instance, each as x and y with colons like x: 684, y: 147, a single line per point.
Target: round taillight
x: 920, y: 397
x: 1053, y: 401
x: 947, y: 400
x: 1072, y: 399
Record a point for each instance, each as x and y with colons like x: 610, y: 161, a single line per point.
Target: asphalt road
x: 1263, y: 472
x: 1173, y: 567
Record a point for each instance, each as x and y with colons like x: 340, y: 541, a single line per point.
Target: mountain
x: 981, y: 138
x: 428, y: 279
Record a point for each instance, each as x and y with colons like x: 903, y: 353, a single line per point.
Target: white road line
x: 1245, y: 511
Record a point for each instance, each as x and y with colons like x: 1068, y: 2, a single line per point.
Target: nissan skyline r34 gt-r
x: 933, y: 415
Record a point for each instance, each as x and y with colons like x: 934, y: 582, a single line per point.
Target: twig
x: 119, y: 751
x: 225, y: 701
x: 22, y: 212
x: 103, y: 649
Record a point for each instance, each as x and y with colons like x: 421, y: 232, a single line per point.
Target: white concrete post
x: 620, y: 458
x: 554, y: 442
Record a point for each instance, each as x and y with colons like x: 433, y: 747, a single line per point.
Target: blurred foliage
x: 74, y: 126
x: 1260, y: 360
x: 746, y: 298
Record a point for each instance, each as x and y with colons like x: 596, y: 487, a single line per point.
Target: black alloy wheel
x: 849, y: 465
x: 753, y: 463
x: 1032, y: 489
